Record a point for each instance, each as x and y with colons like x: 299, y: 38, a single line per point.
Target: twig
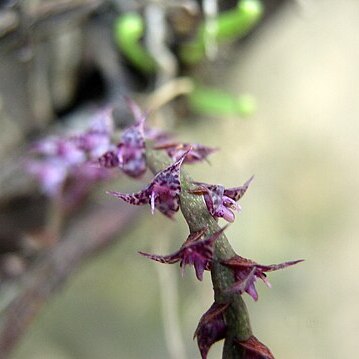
x: 169, y: 91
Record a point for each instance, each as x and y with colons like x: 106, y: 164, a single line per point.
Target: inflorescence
x: 60, y: 164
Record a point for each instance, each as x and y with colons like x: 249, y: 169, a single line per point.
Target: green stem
x: 197, y: 216
x: 231, y: 25
x: 129, y: 29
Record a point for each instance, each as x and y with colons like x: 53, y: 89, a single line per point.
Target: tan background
x: 302, y: 146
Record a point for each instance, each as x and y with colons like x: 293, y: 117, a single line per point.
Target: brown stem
x: 197, y: 217
x: 98, y: 229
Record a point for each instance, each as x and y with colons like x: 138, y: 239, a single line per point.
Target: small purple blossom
x: 58, y: 160
x: 197, y: 152
x: 97, y: 139
x: 132, y: 158
x: 254, y: 349
x: 211, y: 328
x: 50, y: 174
x: 221, y: 201
x: 162, y: 193
x: 131, y: 151
x: 196, y: 251
x: 246, y: 273
x: 58, y: 148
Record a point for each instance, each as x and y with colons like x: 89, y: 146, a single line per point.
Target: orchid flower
x: 221, y: 201
x: 246, y: 273
x: 196, y: 251
x: 162, y: 193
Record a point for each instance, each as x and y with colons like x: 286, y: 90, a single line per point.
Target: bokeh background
x: 302, y: 146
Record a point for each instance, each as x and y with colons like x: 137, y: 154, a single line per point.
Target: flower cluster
x: 164, y: 193
x: 58, y: 160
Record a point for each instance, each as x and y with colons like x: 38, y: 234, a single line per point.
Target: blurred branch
x: 94, y: 232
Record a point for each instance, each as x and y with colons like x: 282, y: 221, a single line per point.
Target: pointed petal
x: 246, y: 284
x: 237, y: 193
x: 109, y: 160
x: 241, y: 262
x: 165, y: 146
x: 238, y: 261
x: 167, y: 187
x: 246, y: 271
x: 170, y: 176
x: 255, y: 349
x: 211, y: 328
x: 200, y: 252
x: 170, y: 259
x: 199, y: 267
x: 137, y: 113
x: 132, y: 152
x: 195, y: 236
x: 197, y: 152
x: 176, y: 256
x: 274, y: 267
x: 203, y: 246
x: 137, y: 199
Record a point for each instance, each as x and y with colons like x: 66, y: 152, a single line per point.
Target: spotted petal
x: 236, y: 193
x: 162, y: 193
x: 109, y: 160
x: 131, y: 149
x: 220, y: 201
x: 137, y: 199
x: 166, y: 187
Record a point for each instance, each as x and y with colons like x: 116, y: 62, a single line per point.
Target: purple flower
x: 131, y: 151
x: 162, y: 193
x: 211, y: 328
x: 195, y: 251
x: 254, y: 349
x: 246, y: 272
x: 97, y: 139
x: 55, y: 158
x: 50, y: 174
x: 197, y: 152
x: 61, y: 149
x: 59, y: 159
x: 132, y: 158
x: 221, y: 201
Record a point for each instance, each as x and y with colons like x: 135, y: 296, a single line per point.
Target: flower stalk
x: 197, y: 217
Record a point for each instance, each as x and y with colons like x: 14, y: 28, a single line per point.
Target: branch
x: 89, y: 236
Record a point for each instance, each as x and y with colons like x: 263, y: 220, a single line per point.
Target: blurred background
x: 301, y: 66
